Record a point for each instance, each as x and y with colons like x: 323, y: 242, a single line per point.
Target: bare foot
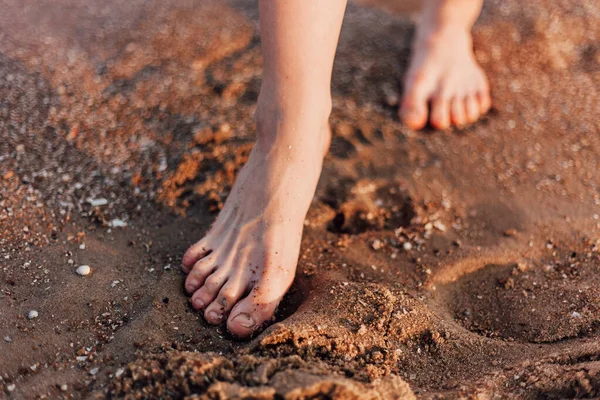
x: 246, y: 263
x: 445, y: 76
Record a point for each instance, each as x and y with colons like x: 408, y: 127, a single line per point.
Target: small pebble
x: 407, y: 246
x: 82, y: 246
x: 7, y: 339
x: 440, y: 226
x: 84, y: 270
x: 94, y: 371
x: 119, y: 372
x: 522, y: 267
x: 64, y: 388
x: 11, y: 387
x: 575, y: 314
x: 377, y: 244
x: 362, y: 330
x: 510, y: 232
x: 32, y: 314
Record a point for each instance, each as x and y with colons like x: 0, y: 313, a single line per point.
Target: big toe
x: 413, y: 111
x: 414, y: 114
x: 249, y: 316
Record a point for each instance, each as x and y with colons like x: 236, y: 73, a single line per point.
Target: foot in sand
x: 246, y: 263
x: 443, y: 77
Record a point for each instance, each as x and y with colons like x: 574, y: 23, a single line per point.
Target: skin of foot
x: 241, y: 269
x: 444, y: 84
x: 245, y: 264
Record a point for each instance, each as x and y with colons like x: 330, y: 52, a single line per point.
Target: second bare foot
x: 444, y: 84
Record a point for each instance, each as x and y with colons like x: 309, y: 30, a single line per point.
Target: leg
x: 443, y: 70
x: 247, y: 262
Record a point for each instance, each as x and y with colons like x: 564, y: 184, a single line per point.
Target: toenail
x: 191, y: 285
x: 244, y: 320
x: 198, y: 303
x: 213, y: 315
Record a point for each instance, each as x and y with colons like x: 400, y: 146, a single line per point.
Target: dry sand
x: 434, y: 265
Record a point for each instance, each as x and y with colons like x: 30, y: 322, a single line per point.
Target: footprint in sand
x: 368, y: 205
x: 543, y: 302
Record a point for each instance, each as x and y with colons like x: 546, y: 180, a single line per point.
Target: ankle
x: 301, y: 126
x: 432, y: 36
x: 278, y: 107
x: 443, y: 18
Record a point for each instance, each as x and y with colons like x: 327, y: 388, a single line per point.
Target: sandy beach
x: 434, y: 265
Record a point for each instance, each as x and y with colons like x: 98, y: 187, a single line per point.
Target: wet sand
x: 433, y: 265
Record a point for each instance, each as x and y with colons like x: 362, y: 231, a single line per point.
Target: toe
x: 485, y: 101
x: 195, y: 253
x: 229, y: 295
x: 413, y: 111
x: 201, y: 270
x: 252, y: 312
x: 413, y: 114
x: 457, y: 111
x: 249, y: 315
x: 208, y: 291
x: 471, y: 108
x: 440, y: 113
x: 214, y: 314
x: 244, y: 323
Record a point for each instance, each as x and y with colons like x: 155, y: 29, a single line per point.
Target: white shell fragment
x: 117, y: 223
x: 84, y: 270
x: 32, y: 314
x: 97, y: 202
